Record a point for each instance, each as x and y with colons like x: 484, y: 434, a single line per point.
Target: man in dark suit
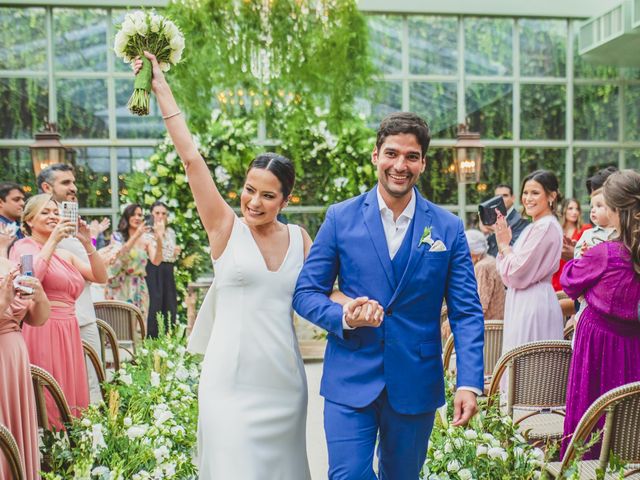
x: 515, y: 221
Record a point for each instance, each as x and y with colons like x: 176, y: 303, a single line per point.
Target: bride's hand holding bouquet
x: 147, y: 32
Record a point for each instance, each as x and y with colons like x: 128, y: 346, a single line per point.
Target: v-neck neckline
x: 264, y: 262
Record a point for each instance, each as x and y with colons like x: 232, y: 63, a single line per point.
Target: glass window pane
x: 437, y: 103
x: 595, y: 112
x: 385, y: 40
x: 489, y: 109
x: 632, y: 112
x: 23, y: 38
x: 632, y: 159
x: 134, y: 126
x: 82, y: 108
x: 586, y: 162
x: 80, y: 39
x: 543, y: 111
x: 438, y: 182
x: 93, y: 175
x: 387, y: 99
x: 583, y: 68
x: 497, y: 167
x: 17, y: 167
x: 488, y: 46
x: 433, y: 48
x: 131, y: 159
x: 24, y: 105
x: 532, y: 159
x: 543, y: 49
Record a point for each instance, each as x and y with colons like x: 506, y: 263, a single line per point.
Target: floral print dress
x: 127, y: 275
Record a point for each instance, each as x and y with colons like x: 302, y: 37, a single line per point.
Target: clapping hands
x: 363, y: 312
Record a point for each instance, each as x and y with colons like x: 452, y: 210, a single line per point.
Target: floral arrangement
x: 147, y: 427
x: 146, y: 31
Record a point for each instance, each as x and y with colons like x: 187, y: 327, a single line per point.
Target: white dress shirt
x: 84, y: 303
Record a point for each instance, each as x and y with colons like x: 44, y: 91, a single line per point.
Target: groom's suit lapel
x: 421, y: 219
x: 374, y: 225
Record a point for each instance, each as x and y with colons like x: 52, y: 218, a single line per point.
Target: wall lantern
x: 467, y: 155
x: 47, y: 149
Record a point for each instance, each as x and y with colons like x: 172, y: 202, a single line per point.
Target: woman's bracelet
x: 92, y: 252
x: 167, y: 117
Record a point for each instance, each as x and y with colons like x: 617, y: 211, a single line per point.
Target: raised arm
x: 216, y: 215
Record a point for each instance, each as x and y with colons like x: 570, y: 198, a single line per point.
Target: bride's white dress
x: 253, y: 388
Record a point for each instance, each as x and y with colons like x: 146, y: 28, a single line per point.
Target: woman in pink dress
x: 532, y: 311
x: 17, y: 402
x: 607, y: 339
x: 56, y: 346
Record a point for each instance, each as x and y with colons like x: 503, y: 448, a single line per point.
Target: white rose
x: 448, y: 448
x: 156, y: 23
x: 470, y: 434
x: 177, y: 42
x: 98, y: 442
x: 126, y: 379
x: 142, y: 28
x: 128, y: 27
x: 127, y: 422
x: 175, y: 56
x: 453, y: 466
x: 498, y: 452
x: 136, y: 431
x: 465, y: 474
x: 438, y: 455
x: 139, y: 16
x: 155, y: 379
x: 100, y: 471
x: 120, y: 43
x: 165, y: 66
x: 170, y: 30
x: 457, y: 442
x: 481, y: 450
x: 86, y: 422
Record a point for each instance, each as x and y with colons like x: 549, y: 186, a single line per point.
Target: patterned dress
x: 127, y: 273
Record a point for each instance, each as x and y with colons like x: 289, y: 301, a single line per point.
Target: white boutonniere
x: 426, y: 237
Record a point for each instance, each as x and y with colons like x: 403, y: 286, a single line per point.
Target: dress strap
x: 296, y: 243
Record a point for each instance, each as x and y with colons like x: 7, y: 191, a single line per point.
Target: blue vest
x: 399, y: 262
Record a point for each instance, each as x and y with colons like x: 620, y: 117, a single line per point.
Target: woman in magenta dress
x: 56, y: 346
x: 607, y: 339
x: 17, y: 401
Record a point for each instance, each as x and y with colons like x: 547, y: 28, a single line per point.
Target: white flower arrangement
x: 147, y: 31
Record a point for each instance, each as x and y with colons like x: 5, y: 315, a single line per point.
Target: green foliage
x: 319, y: 56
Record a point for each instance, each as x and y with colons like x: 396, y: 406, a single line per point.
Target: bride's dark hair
x: 280, y: 166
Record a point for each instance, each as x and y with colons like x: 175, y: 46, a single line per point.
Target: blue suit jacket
x: 404, y: 354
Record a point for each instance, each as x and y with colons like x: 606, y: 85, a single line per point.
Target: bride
x: 253, y: 390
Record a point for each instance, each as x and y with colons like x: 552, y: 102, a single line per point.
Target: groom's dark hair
x: 398, y: 123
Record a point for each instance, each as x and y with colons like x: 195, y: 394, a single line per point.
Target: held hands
x: 363, y: 312
x: 157, y: 78
x: 465, y: 406
x: 503, y: 231
x: 7, y: 289
x: 37, y: 294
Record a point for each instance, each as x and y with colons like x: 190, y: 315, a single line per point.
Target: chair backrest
x: 107, y: 335
x: 94, y: 359
x: 538, y: 373
x: 124, y: 318
x: 493, y: 330
x: 10, y: 449
x: 621, y: 408
x: 44, y: 380
x: 569, y: 330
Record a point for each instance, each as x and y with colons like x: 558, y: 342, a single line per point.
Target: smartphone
x: 26, y: 270
x: 70, y: 210
x: 149, y: 221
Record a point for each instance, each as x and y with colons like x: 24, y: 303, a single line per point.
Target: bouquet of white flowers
x: 144, y: 31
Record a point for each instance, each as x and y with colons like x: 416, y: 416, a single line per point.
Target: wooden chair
x: 94, y: 359
x: 107, y: 335
x: 9, y: 447
x: 569, y: 331
x: 621, y: 410
x: 537, y: 387
x: 126, y: 320
x: 567, y: 305
x: 43, y: 380
x: 493, y: 330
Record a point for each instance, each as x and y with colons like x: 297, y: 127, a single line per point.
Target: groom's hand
x: 363, y: 312
x: 465, y: 406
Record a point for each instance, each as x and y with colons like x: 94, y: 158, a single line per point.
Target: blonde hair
x: 33, y: 207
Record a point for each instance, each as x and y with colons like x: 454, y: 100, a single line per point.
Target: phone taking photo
x: 69, y: 210
x: 149, y: 221
x: 26, y: 271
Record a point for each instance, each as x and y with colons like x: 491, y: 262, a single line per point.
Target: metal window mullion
x: 621, y: 120
x: 53, y: 102
x: 24, y: 74
x: 462, y: 113
x: 489, y: 79
x: 113, y: 169
x: 111, y: 92
x: 516, y: 109
x: 405, y: 64
x: 568, y: 160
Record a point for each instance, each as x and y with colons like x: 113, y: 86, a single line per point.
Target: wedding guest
x: 572, y: 229
x: 160, y: 279
x: 18, y: 405
x: 514, y: 219
x: 490, y: 287
x: 127, y: 256
x: 57, y: 346
x: 607, y: 339
x: 12, y: 199
x: 532, y: 311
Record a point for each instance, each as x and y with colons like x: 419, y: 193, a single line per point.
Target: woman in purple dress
x: 607, y: 339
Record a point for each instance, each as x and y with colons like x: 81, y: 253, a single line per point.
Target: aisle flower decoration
x: 147, y: 31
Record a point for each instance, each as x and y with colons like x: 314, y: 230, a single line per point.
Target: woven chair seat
x: 540, y: 427
x: 587, y: 469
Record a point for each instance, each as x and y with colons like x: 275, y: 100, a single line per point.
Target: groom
x: 394, y: 247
